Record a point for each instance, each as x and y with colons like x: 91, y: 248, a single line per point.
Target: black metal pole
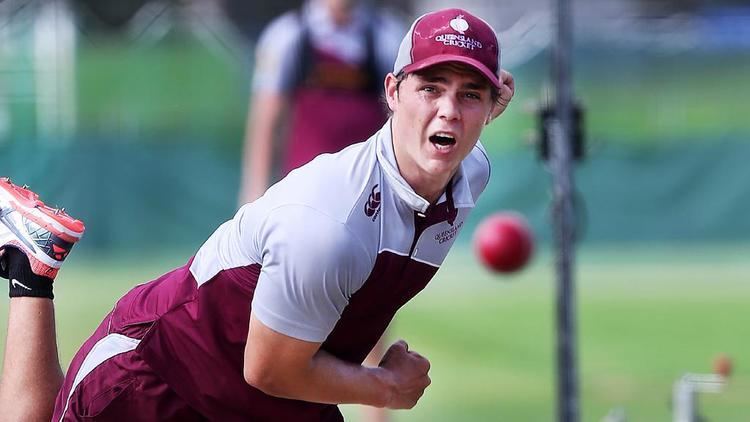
x: 562, y: 168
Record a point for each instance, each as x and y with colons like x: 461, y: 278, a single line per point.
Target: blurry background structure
x: 149, y: 96
x: 131, y: 114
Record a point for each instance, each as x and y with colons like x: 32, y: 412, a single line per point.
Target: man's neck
x: 431, y: 195
x: 428, y: 186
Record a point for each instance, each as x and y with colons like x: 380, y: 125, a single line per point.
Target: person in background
x: 317, y: 86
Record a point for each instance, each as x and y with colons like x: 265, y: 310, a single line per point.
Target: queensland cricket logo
x: 459, y: 24
x: 372, y: 206
x: 460, y: 40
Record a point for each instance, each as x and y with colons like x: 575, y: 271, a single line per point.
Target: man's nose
x: 448, y: 108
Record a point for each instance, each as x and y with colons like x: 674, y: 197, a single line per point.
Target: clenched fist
x: 407, y: 375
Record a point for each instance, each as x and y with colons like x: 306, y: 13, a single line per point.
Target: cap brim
x: 446, y: 58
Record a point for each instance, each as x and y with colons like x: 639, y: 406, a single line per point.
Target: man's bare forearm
x: 287, y: 367
x: 328, y: 379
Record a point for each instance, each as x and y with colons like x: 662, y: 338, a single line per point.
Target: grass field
x: 646, y: 316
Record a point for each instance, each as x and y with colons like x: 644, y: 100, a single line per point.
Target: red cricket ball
x: 503, y: 242
x: 722, y: 365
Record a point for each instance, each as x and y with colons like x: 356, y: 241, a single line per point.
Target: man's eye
x: 429, y: 88
x: 473, y: 96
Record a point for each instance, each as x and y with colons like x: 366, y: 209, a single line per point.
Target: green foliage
x: 639, y: 99
x: 165, y: 92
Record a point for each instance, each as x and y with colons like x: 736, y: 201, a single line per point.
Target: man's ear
x: 391, y: 91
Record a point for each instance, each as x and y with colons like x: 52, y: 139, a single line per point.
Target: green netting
x: 143, y: 197
x: 691, y: 192
x: 132, y: 196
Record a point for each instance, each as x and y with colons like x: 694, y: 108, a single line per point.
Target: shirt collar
x: 462, y: 197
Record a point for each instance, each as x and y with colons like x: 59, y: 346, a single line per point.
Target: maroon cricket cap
x: 450, y: 35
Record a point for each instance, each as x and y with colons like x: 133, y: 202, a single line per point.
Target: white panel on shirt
x: 223, y: 250
x: 314, y: 242
x: 311, y: 265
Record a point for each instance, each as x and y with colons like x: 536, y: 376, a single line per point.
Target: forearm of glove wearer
x: 286, y: 367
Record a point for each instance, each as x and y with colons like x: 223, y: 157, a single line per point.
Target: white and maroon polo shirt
x: 328, y: 254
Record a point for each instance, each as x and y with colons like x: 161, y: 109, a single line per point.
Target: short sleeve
x: 275, y: 58
x: 310, y: 263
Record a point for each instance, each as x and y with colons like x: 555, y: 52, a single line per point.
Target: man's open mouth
x: 442, y: 140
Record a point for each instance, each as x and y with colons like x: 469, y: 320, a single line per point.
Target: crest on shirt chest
x: 449, y: 234
x: 435, y: 241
